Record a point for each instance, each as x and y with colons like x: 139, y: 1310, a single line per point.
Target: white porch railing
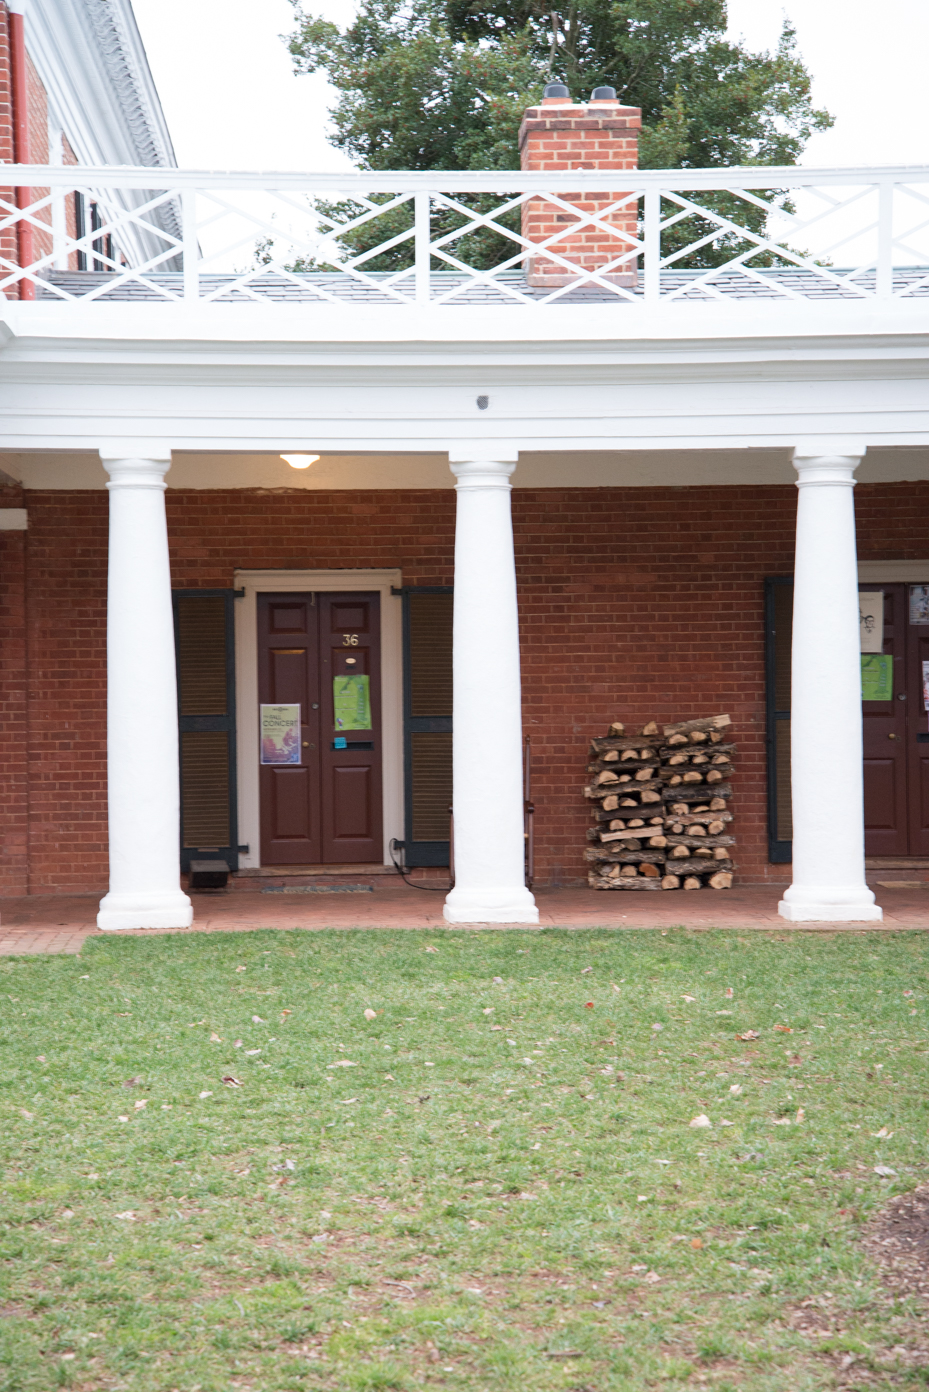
x: 434, y: 239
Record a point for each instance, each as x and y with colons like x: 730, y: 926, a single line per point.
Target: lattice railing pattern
x: 439, y: 239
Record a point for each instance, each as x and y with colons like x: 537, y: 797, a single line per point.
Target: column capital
x: 482, y: 473
x: 130, y: 471
x: 476, y: 451
x: 826, y: 470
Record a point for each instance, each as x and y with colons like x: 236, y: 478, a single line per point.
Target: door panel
x: 288, y: 673
x: 349, y: 644
x: 917, y: 739
x: 885, y: 741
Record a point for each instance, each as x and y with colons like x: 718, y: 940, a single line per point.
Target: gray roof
x: 318, y: 287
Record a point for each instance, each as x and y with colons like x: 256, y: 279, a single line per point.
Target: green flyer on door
x: 877, y: 677
x: 351, y: 699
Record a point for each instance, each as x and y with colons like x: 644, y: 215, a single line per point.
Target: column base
x: 491, y: 906
x: 170, y: 909
x: 828, y: 904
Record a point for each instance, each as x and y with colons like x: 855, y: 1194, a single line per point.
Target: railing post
x: 885, y: 240
x: 651, y: 237
x: 422, y: 243
x: 191, y: 245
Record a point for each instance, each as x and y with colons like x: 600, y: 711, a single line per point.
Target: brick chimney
x: 557, y: 136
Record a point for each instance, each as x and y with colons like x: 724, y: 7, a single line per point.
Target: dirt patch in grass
x: 898, y: 1240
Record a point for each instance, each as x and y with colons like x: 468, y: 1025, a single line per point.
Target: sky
x: 232, y: 100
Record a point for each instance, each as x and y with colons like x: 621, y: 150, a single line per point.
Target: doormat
x: 318, y: 889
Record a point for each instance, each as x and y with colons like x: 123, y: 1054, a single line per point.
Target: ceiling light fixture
x: 300, y: 461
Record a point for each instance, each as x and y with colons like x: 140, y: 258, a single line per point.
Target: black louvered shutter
x: 204, y: 644
x: 427, y: 724
x: 779, y: 611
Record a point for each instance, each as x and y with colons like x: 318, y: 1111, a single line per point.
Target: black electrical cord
x: 439, y: 889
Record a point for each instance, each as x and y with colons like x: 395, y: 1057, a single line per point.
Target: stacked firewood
x: 660, y: 815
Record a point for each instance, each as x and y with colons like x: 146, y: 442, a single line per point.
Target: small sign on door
x: 871, y: 620
x: 280, y: 734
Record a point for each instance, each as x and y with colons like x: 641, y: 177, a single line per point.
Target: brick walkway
x: 55, y: 923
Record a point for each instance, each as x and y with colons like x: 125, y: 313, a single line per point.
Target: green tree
x: 442, y: 84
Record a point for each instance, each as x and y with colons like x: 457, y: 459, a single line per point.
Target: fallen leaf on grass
x: 215, y: 1038
x: 238, y: 969
x: 287, y: 1165
x: 41, y: 1058
x: 133, y: 1082
x: 585, y: 970
x: 884, y: 1171
x: 28, y: 1115
x: 346, y: 1100
x: 651, y: 1277
x: 129, y: 1215
x: 784, y: 1029
x: 257, y: 1020
x: 883, y: 1134
x: 701, y: 1122
x: 389, y: 1077
x: 495, y: 1027
x: 565, y: 1353
x: 342, y: 1063
x: 370, y: 1014
x: 907, y: 993
x: 432, y: 949
x: 800, y: 1115
x: 206, y: 1093
x: 696, y: 1242
x: 689, y: 999
x: 250, y: 1053
x: 736, y: 1090
x: 588, y: 1005
x: 143, y: 1102
x: 724, y: 1012
x: 749, y: 1034
x: 230, y: 1081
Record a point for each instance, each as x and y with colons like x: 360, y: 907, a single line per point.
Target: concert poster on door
x: 280, y: 734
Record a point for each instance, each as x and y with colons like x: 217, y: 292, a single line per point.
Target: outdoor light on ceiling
x: 300, y: 461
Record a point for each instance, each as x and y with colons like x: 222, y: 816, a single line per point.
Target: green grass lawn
x: 499, y: 1188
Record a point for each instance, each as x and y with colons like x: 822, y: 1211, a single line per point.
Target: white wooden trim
x: 917, y: 572
x: 255, y: 582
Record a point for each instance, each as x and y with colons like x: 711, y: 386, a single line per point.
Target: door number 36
x: 349, y: 640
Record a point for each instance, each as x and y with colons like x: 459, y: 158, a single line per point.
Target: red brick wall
x: 13, y: 722
x: 635, y: 604
x: 8, y: 239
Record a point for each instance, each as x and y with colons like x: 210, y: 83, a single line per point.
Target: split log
x: 686, y: 751
x: 692, y: 882
x: 708, y: 723
x: 649, y: 870
x: 698, y: 794
x: 617, y: 727
x: 721, y: 880
x: 640, y: 882
x: 619, y: 743
x: 701, y: 840
x: 650, y: 729
x: 618, y: 855
x: 671, y: 882
x: 697, y: 865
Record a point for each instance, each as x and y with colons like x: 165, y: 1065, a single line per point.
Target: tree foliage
x: 442, y: 84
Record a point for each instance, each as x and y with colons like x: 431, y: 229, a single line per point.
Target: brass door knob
x: 891, y: 736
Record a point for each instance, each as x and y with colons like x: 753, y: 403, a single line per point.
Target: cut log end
x: 671, y: 882
x: 721, y: 880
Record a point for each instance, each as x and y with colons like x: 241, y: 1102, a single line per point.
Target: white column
x: 490, y: 884
x: 142, y: 761
x: 825, y: 721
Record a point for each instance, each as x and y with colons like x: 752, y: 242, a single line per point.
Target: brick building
x: 584, y: 448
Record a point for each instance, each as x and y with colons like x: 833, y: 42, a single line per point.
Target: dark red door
x: 885, y: 740
x: 350, y: 650
x: 917, y: 739
x: 326, y: 808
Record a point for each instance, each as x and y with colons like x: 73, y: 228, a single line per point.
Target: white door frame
x: 255, y: 582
